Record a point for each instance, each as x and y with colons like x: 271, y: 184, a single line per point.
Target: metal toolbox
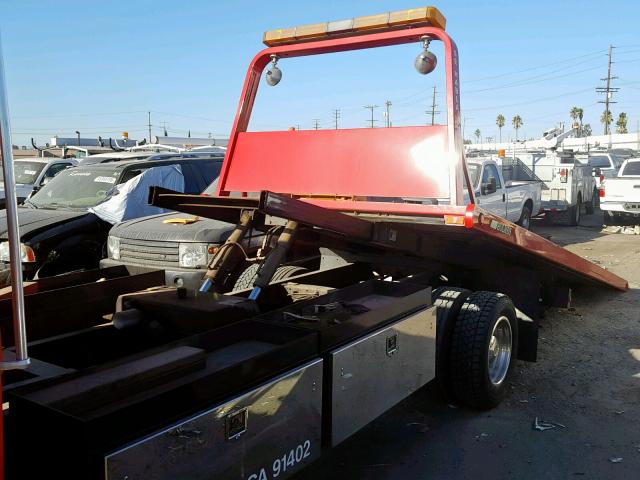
x: 271, y: 431
x: 348, y: 313
x: 72, y: 421
x: 378, y: 371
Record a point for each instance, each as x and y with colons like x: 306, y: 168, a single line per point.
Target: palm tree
x: 574, y: 113
x: 517, y: 123
x: 586, y: 130
x: 500, y: 124
x: 606, y: 119
x: 580, y: 117
x: 477, y: 134
x: 621, y: 124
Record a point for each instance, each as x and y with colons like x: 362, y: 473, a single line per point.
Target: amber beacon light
x: 415, y: 17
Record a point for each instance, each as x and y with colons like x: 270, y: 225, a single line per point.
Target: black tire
x: 609, y: 218
x: 449, y: 301
x: 575, y: 212
x: 248, y: 276
x: 591, y: 204
x: 469, y: 357
x: 525, y: 217
x: 288, y: 271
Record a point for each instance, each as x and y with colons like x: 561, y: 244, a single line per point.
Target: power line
x: 530, y: 101
x: 608, y: 91
x: 372, y: 108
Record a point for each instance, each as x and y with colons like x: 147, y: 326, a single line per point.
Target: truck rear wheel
x: 525, y: 217
x: 484, y: 347
x: 575, y: 211
x: 591, y: 204
x: 449, y: 301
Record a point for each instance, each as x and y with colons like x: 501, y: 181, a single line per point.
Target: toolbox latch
x: 392, y: 344
x: 236, y: 423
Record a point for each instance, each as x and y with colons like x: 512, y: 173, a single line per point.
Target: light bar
x: 415, y: 17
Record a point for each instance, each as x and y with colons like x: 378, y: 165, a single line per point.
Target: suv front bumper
x: 189, y: 278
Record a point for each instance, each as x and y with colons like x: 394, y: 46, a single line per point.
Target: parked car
x: 32, y: 173
x: 58, y: 232
x: 620, y: 196
x: 515, y: 200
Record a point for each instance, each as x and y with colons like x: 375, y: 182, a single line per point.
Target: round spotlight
x: 274, y: 74
x: 426, y: 62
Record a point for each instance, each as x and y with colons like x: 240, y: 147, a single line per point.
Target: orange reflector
x: 422, y: 16
x: 454, y: 220
x: 213, y: 250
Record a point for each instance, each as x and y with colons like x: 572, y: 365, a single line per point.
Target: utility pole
x: 316, y: 123
x: 149, y: 126
x: 336, y: 117
x: 164, y: 129
x: 372, y: 108
x: 387, y: 114
x: 608, y: 90
x: 434, y: 112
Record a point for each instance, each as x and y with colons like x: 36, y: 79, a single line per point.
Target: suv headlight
x: 193, y: 255
x: 113, y: 247
x: 26, y: 252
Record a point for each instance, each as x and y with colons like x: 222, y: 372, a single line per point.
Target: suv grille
x: 149, y: 252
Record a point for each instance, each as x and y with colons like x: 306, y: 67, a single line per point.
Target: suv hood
x: 32, y: 220
x: 152, y: 228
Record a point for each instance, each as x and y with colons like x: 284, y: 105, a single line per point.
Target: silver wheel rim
x: 526, y: 221
x: 499, y: 357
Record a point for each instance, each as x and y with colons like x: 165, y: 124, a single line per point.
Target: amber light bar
x: 422, y: 16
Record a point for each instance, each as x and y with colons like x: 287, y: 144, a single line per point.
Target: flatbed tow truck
x: 253, y: 384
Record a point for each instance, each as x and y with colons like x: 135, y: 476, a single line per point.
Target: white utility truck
x: 620, y: 196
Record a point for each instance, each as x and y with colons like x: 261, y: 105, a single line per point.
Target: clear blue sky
x: 72, y: 65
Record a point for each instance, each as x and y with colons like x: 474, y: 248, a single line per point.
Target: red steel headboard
x: 385, y: 162
x: 423, y: 161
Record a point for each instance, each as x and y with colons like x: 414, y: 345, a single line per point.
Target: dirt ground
x: 587, y: 379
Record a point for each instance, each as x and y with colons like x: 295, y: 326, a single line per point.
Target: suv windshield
x: 76, y: 188
x: 25, y: 172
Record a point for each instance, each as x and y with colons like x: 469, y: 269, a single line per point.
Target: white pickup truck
x: 516, y: 201
x: 620, y: 196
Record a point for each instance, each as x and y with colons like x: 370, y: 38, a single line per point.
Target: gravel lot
x: 587, y: 378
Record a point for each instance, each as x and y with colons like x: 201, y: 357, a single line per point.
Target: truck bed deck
x: 458, y: 235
